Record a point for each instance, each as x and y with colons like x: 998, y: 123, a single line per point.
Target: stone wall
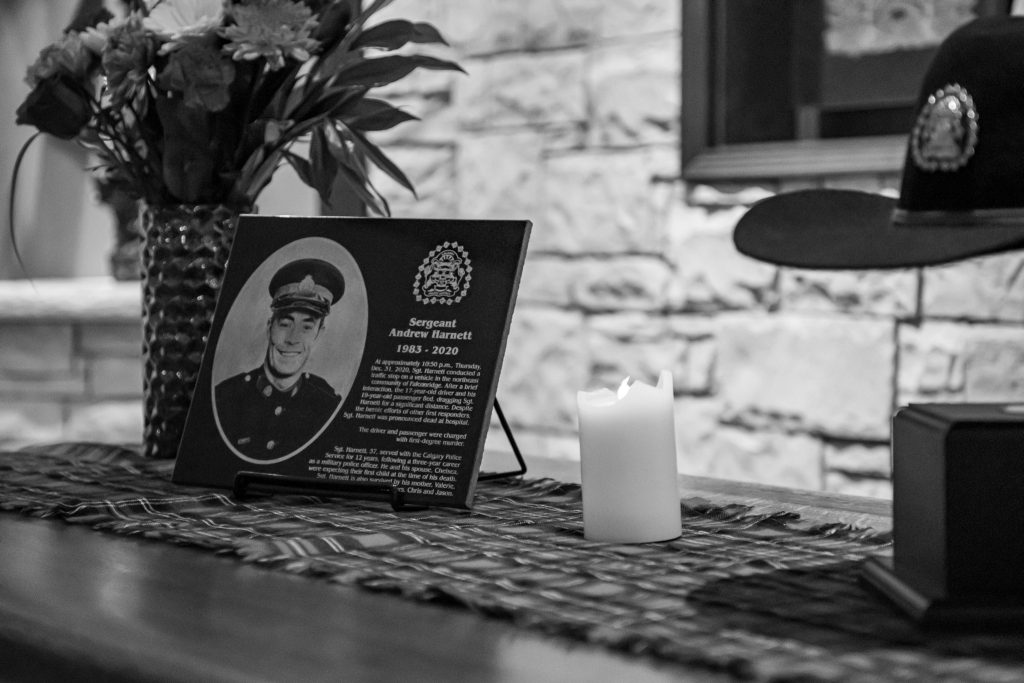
x: 70, y: 361
x: 569, y: 117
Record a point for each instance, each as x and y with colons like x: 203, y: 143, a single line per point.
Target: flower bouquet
x: 200, y: 101
x: 191, y: 106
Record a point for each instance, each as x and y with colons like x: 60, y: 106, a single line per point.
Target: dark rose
x: 56, y: 106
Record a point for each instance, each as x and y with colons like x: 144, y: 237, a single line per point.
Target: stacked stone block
x: 70, y: 365
x: 569, y: 116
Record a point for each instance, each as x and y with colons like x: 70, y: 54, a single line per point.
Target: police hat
x: 962, y: 192
x: 309, y: 284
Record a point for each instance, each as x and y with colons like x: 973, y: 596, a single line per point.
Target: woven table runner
x: 761, y: 596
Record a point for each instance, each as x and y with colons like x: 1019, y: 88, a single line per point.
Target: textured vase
x: 184, y: 253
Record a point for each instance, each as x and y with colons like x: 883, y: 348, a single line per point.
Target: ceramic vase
x: 184, y: 254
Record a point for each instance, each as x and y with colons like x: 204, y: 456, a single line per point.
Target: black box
x: 958, y: 514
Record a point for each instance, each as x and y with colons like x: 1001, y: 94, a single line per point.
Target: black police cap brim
x: 853, y: 230
x: 302, y: 307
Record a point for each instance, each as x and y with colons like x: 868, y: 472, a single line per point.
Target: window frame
x: 704, y: 162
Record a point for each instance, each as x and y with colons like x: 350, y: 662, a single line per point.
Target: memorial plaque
x: 357, y: 351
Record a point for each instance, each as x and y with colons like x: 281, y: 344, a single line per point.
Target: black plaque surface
x: 412, y: 349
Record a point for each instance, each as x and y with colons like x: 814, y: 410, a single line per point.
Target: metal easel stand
x: 490, y: 476
x: 247, y: 482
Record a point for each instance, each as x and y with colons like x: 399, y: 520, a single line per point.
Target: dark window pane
x: 756, y: 66
x: 793, y: 69
x: 862, y: 123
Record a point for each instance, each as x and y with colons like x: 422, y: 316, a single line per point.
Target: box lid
x: 998, y: 413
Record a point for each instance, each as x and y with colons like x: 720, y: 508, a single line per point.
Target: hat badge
x: 946, y: 130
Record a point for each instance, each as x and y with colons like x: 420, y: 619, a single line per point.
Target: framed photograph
x: 356, y: 351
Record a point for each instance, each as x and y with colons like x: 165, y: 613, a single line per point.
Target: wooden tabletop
x: 76, y: 604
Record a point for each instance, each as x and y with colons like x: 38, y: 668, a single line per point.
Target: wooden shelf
x: 799, y: 159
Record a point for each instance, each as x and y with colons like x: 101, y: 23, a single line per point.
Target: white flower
x: 271, y: 29
x: 176, y: 19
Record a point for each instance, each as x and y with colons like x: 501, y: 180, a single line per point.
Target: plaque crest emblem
x: 444, y: 275
x: 946, y: 130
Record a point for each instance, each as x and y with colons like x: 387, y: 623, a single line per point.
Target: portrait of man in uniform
x: 277, y: 407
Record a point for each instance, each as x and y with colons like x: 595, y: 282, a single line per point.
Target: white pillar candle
x: 628, y: 463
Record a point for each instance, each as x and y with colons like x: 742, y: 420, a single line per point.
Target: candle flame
x: 623, y: 389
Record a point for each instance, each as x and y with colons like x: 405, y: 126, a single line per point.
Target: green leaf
x: 330, y: 102
x: 370, y: 115
x: 364, y: 189
x: 325, y: 166
x: 304, y: 170
x: 333, y: 20
x: 377, y: 157
x: 302, y: 167
x: 353, y: 172
x: 335, y: 56
x: 263, y: 174
x: 392, y: 35
x: 374, y: 73
x: 270, y: 89
x: 316, y: 91
x: 377, y: 6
